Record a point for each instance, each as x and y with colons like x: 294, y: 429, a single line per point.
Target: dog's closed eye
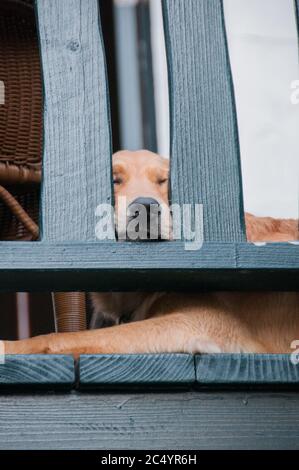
x: 117, y: 180
x: 119, y: 174
x: 162, y: 181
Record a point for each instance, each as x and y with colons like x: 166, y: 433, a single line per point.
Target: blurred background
x: 263, y: 48
x: 137, y: 69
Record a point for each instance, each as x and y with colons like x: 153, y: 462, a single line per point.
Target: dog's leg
x: 171, y: 333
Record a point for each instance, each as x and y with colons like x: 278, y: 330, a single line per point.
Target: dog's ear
x: 102, y: 320
x: 104, y: 312
x: 113, y: 308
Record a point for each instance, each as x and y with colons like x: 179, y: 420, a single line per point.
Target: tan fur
x: 172, y: 322
x: 269, y: 229
x: 140, y: 173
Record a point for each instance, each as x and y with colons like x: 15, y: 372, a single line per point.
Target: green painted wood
x: 205, y: 156
x: 136, y: 370
x: 179, y: 369
x: 189, y: 420
x: 47, y: 371
x: 77, y: 149
x: 158, y: 266
x: 246, y: 369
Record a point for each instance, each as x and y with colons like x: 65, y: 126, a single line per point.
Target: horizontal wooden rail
x: 141, y: 370
x: 255, y: 369
x: 129, y: 266
x: 186, y: 420
x: 37, y: 370
x: 146, y: 371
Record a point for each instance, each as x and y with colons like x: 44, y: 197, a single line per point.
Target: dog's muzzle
x: 144, y: 220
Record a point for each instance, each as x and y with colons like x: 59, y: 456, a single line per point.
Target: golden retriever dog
x: 210, y: 322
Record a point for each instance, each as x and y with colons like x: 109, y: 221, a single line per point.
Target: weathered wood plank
x: 246, y: 369
x: 77, y: 150
x: 205, y: 160
x: 214, y: 420
x: 136, y: 370
x: 130, y: 266
x: 47, y: 371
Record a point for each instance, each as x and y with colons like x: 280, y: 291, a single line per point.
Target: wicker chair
x: 21, y: 130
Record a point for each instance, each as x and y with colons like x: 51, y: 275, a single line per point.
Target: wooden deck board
x: 127, y: 370
x: 252, y: 369
x: 36, y: 371
x: 189, y: 420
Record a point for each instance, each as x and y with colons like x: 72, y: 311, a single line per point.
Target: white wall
x: 160, y: 78
x: 263, y: 46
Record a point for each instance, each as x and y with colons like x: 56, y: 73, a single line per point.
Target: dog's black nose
x: 148, y: 227
x: 146, y: 202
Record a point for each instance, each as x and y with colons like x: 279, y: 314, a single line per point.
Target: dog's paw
x: 202, y: 345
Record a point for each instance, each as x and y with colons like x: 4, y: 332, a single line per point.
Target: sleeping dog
x: 173, y: 322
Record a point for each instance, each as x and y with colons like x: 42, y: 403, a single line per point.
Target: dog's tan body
x: 173, y: 322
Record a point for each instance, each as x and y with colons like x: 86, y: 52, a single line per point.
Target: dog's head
x: 141, y: 195
x: 140, y: 181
